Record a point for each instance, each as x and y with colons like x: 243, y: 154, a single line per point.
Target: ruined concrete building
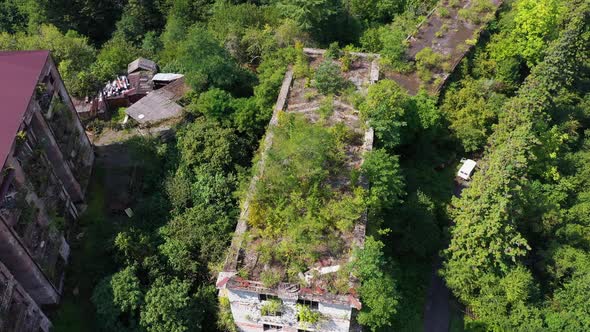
x: 18, y: 311
x: 46, y: 162
x: 322, y: 290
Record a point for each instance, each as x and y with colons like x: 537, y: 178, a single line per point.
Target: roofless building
x: 286, y: 273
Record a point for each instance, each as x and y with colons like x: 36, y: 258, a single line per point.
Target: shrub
x: 428, y: 61
x: 270, y: 278
x: 333, y: 51
x: 309, y: 95
x: 328, y: 78
x: 301, y: 68
x: 96, y: 126
x: 346, y: 61
x: 306, y: 315
x: 326, y: 107
x: 225, y: 319
x: 272, y: 307
x: 443, y: 12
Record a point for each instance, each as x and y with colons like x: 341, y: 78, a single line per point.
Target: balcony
x: 44, y: 96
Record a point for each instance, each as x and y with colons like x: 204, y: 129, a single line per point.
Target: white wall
x: 245, y: 308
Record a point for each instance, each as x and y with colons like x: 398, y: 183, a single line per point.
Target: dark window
x: 314, y: 305
x: 266, y: 297
x: 270, y: 327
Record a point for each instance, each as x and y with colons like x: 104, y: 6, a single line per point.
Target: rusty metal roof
x: 142, y: 64
x: 20, y: 73
x: 141, y: 83
x: 159, y: 105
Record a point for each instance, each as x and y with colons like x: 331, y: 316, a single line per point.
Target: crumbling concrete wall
x: 37, y: 254
x: 246, y: 310
x: 18, y: 311
x: 18, y: 260
x: 75, y: 168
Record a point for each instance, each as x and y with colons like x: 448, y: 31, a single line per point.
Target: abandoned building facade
x: 282, y: 307
x: 46, y: 161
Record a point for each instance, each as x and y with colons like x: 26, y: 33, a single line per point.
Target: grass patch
x: 90, y: 260
x: 119, y: 115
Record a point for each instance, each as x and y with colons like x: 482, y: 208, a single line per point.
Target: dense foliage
x: 509, y: 244
x: 518, y: 251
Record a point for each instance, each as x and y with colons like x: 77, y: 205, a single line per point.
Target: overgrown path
x: 437, y: 309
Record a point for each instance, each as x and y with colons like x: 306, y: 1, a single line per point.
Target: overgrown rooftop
x: 441, y: 41
x: 305, y: 208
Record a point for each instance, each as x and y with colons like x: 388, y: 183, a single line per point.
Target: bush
x: 214, y: 104
x: 328, y: 78
x: 428, y: 61
x: 427, y: 58
x: 96, y: 126
x: 333, y: 52
x: 301, y: 68
x: 306, y: 315
x: 270, y: 278
x: 326, y: 107
x: 272, y: 308
x: 443, y: 12
x: 346, y: 61
x: 225, y: 319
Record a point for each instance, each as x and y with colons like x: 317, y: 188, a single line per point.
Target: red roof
x: 19, y: 72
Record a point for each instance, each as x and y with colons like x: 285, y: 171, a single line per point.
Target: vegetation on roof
x: 519, y: 99
x: 297, y: 215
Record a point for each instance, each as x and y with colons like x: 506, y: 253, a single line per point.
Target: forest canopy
x: 515, y: 246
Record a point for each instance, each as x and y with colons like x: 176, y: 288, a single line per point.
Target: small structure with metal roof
x: 159, y: 105
x: 142, y: 64
x: 162, y: 79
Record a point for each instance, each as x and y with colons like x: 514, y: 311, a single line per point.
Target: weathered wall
x: 87, y: 151
x: 22, y: 266
x: 30, y: 258
x: 246, y: 310
x: 29, y: 317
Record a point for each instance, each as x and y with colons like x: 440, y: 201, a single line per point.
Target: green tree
x: 375, y: 10
x: 386, y: 182
x: 95, y: 19
x: 378, y: 289
x: 198, y: 236
x: 215, y: 104
x: 113, y: 58
x: 472, y: 110
x: 328, y: 78
x: 535, y: 23
x: 169, y: 306
x: 207, y: 143
x: 206, y: 64
x: 385, y: 109
x: 118, y: 299
x: 12, y: 17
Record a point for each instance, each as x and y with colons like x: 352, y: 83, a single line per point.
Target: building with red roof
x: 46, y: 161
